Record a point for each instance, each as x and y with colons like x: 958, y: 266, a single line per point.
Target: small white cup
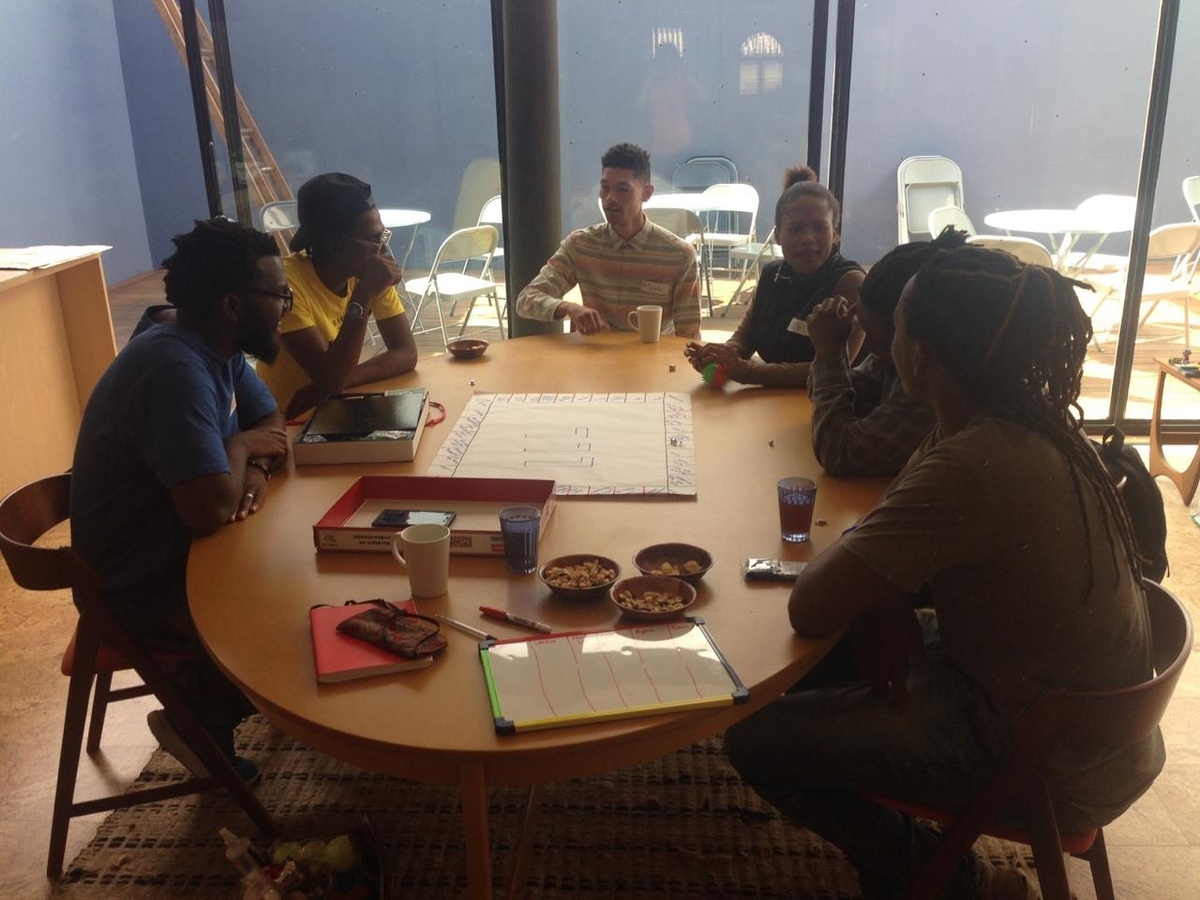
x: 647, y: 320
x: 424, y: 550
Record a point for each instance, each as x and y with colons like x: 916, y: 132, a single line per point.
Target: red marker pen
x: 492, y: 613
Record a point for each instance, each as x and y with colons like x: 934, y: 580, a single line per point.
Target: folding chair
x: 457, y: 250
x: 1191, y: 195
x: 727, y: 209
x: 949, y: 215
x: 685, y: 224
x: 1027, y: 250
x: 1115, y: 718
x: 698, y: 172
x: 1180, y: 243
x: 98, y: 648
x: 923, y: 184
x: 278, y: 215
x: 753, y: 257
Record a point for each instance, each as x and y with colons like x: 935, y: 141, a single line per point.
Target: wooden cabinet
x: 56, y: 339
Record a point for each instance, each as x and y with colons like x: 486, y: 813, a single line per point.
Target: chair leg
x: 437, y: 299
x: 74, y: 720
x: 1097, y: 858
x: 467, y: 318
x: 1048, y: 856
x: 499, y: 315
x: 100, y: 697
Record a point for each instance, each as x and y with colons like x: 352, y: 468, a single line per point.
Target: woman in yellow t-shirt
x: 341, y: 273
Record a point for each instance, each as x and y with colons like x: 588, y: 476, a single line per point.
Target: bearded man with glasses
x: 341, y: 273
x: 179, y: 438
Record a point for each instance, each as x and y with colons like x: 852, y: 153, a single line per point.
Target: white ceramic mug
x: 647, y: 320
x: 424, y: 550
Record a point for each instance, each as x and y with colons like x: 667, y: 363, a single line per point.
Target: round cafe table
x: 1063, y: 228
x: 250, y: 585
x: 405, y: 218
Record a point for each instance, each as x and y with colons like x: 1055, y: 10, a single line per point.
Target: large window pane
x: 1041, y: 105
x: 400, y: 95
x: 1168, y: 310
x: 683, y: 79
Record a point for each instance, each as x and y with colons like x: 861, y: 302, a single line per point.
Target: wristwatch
x: 355, y: 311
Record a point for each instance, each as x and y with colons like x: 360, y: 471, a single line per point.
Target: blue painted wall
x: 67, y: 171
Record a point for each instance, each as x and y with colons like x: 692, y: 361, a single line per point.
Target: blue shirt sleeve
x: 254, y: 398
x: 179, y: 421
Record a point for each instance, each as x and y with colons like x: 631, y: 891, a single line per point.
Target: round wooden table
x: 250, y: 585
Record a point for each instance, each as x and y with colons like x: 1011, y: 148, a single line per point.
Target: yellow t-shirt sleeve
x: 388, y: 305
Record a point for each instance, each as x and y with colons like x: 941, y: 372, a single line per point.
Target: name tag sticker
x: 659, y: 288
x: 799, y: 325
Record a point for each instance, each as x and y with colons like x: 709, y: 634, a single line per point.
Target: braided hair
x: 215, y: 258
x: 885, y: 281
x: 1015, y: 337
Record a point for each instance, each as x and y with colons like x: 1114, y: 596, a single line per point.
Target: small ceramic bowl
x: 591, y: 574
x: 467, y: 348
x: 685, y: 561
x: 652, y: 598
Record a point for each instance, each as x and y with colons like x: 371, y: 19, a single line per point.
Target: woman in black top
x: 807, y: 217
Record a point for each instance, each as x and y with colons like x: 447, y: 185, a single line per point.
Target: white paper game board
x: 590, y: 444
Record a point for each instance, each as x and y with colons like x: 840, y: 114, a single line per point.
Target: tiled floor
x: 1154, y: 848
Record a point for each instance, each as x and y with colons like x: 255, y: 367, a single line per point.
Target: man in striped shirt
x: 625, y: 262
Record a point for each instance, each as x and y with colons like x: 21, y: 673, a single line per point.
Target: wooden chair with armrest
x: 1075, y: 718
x: 98, y: 648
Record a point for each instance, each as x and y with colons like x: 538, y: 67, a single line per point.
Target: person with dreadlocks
x: 863, y: 421
x: 998, y: 565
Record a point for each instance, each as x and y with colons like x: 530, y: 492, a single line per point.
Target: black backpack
x: 1142, y: 499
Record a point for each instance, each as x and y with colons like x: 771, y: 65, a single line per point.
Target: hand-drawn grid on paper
x: 590, y: 444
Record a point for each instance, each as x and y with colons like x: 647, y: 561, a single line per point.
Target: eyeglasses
x: 378, y: 243
x: 285, y: 295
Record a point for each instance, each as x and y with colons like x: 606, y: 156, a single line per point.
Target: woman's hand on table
x: 830, y: 324
x: 700, y: 355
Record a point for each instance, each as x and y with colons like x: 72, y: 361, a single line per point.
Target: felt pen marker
x: 492, y: 613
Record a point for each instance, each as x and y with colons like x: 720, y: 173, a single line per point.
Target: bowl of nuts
x: 579, y: 576
x: 652, y: 597
x: 686, y: 561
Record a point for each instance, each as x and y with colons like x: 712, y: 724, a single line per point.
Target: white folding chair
x: 949, y: 215
x: 923, y: 184
x: 728, y: 208
x: 1191, y: 195
x: 492, y: 213
x: 1179, y: 243
x: 1108, y: 214
x: 1027, y: 250
x: 685, y: 224
x: 441, y: 285
x: 278, y: 215
x: 698, y: 172
x: 753, y: 256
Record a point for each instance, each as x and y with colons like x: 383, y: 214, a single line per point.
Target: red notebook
x: 339, y: 657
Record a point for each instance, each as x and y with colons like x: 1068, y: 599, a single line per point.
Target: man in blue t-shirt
x: 179, y: 438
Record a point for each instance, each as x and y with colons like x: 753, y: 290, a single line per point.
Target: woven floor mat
x: 681, y: 826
